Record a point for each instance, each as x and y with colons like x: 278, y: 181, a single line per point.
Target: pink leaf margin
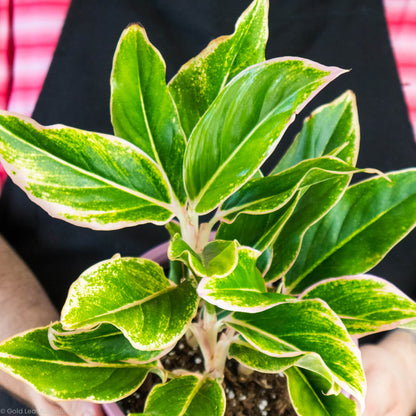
x: 388, y: 287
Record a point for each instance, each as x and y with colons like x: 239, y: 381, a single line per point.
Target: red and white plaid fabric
x: 27, y: 42
x: 401, y: 20
x: 29, y: 32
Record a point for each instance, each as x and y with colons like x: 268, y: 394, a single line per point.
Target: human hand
x: 44, y: 406
x: 390, y: 369
x: 30, y: 309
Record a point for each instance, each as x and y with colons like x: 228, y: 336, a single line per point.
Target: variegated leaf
x: 258, y: 231
x: 332, y: 129
x: 252, y: 358
x: 193, y: 396
x: 411, y: 326
x: 288, y: 242
x: 142, y: 110
x: 102, y: 344
x: 264, y: 195
x: 366, y: 304
x: 242, y: 290
x: 88, y: 179
x: 63, y: 375
x: 218, y: 258
x: 293, y: 328
x: 135, y: 296
x: 201, y: 79
x: 307, y: 393
x: 245, y: 122
x: 264, y: 260
x: 173, y: 228
x: 369, y: 220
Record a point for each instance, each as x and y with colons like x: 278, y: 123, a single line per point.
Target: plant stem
x: 189, y: 222
x: 206, y: 330
x: 214, y: 351
x: 221, y: 352
x: 203, y: 237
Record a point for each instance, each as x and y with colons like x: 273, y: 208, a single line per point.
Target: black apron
x: 346, y: 33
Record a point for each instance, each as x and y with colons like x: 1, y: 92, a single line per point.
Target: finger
x: 81, y: 408
x: 377, y: 399
x: 45, y: 407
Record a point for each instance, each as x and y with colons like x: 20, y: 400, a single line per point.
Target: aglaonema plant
x: 280, y: 288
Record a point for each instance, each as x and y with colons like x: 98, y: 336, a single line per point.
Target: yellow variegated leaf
x: 88, y: 179
x: 365, y: 303
x: 201, y: 79
x: 63, y: 375
x: 135, y: 296
x: 142, y: 110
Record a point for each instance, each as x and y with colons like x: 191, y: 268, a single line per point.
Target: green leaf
x: 259, y: 361
x: 288, y: 242
x: 366, y: 304
x: 368, y: 221
x: 63, y: 375
x: 411, y: 326
x: 332, y: 129
x: 201, y: 79
x: 102, y: 344
x: 218, y: 258
x: 173, y: 227
x: 293, y: 328
x: 193, y: 396
x: 257, y: 231
x: 242, y: 290
x: 133, y: 295
x: 142, y: 110
x: 264, y: 195
x: 177, y: 271
x: 307, y: 392
x: 264, y: 260
x: 245, y: 122
x: 82, y: 177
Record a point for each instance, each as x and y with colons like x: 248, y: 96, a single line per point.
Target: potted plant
x: 280, y: 289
